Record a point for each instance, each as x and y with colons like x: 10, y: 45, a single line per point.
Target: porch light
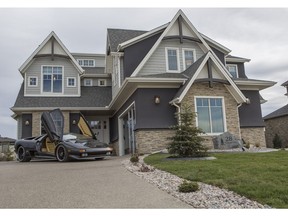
x: 157, y: 99
x: 74, y: 122
x: 27, y: 123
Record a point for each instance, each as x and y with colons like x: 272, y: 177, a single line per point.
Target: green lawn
x: 258, y: 176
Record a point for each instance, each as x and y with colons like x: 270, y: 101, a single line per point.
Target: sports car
x: 54, y: 144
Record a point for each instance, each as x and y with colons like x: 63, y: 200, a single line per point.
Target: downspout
x: 178, y: 112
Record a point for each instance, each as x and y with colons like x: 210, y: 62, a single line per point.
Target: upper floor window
x: 233, y: 70
x: 88, y: 82
x: 188, y: 57
x: 71, y: 82
x: 32, y: 81
x: 172, y: 59
x: 52, y: 79
x: 101, y: 82
x: 86, y: 62
x: 210, y: 114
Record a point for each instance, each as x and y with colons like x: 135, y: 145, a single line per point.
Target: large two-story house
x: 131, y: 94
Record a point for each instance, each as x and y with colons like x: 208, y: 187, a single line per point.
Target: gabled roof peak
x: 39, y: 48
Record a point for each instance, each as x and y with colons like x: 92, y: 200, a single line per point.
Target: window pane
x: 203, y: 119
x: 217, y: 120
x: 172, y: 60
x: 189, y: 58
x: 47, y: 83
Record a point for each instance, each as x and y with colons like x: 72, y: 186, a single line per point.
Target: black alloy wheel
x: 21, y: 155
x: 62, y: 154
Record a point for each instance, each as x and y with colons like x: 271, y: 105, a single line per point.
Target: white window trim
x: 90, y: 82
x: 178, y: 59
x: 236, y: 66
x: 94, y: 64
x: 99, y: 81
x: 183, y: 56
x: 29, y: 85
x: 70, y: 86
x: 223, y: 109
x: 52, y: 93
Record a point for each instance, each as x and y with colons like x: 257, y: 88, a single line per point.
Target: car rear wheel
x: 22, y: 155
x: 62, y: 153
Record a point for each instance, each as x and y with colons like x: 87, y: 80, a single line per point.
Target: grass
x: 262, y: 177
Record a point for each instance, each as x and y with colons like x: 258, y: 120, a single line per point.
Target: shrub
x: 134, y: 158
x: 187, y: 187
x: 277, y: 142
x: 187, y: 142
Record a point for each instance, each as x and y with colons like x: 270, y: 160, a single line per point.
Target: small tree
x: 277, y: 142
x: 187, y: 142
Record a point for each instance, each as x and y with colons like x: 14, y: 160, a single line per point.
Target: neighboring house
x: 131, y: 94
x: 277, y: 123
x: 5, y: 142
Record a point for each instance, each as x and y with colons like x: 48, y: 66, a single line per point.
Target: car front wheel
x: 62, y: 154
x: 21, y: 155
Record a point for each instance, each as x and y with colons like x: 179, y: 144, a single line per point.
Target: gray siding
x: 35, y: 69
x: 250, y: 114
x: 157, y: 62
x: 162, y: 117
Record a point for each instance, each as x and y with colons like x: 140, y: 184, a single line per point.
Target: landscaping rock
x: 208, y: 197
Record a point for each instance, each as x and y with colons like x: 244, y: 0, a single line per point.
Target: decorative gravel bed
x: 208, y: 197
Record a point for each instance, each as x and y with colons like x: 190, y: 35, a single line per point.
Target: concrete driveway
x: 85, y: 184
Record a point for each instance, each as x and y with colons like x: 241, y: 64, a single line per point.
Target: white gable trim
x: 233, y: 89
x: 151, y: 51
x: 52, y: 34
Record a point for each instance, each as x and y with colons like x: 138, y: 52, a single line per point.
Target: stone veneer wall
x: 36, y: 123
x: 230, y: 104
x: 277, y: 125
x: 254, y: 135
x: 152, y: 140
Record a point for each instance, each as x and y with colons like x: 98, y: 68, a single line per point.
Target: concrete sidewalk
x: 85, y: 184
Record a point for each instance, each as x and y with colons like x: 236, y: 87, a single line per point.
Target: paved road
x: 86, y: 184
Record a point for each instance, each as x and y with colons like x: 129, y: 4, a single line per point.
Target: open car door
x: 53, y: 123
x: 85, y: 127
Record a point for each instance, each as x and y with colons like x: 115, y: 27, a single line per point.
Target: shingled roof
x: 283, y: 111
x: 90, y: 97
x: 117, y: 36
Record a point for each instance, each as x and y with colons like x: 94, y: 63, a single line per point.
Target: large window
x: 210, y: 115
x: 188, y: 57
x: 232, y: 70
x: 172, y: 59
x: 52, y: 79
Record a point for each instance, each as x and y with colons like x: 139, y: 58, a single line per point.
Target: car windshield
x: 79, y: 139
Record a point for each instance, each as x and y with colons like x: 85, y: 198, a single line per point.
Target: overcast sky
x: 257, y: 34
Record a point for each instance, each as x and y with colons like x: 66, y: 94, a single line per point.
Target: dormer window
x: 52, y: 79
x: 233, y: 70
x: 86, y: 62
x: 88, y: 82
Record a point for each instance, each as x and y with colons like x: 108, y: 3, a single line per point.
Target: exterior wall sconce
x: 27, y: 123
x: 157, y: 99
x: 74, y: 122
